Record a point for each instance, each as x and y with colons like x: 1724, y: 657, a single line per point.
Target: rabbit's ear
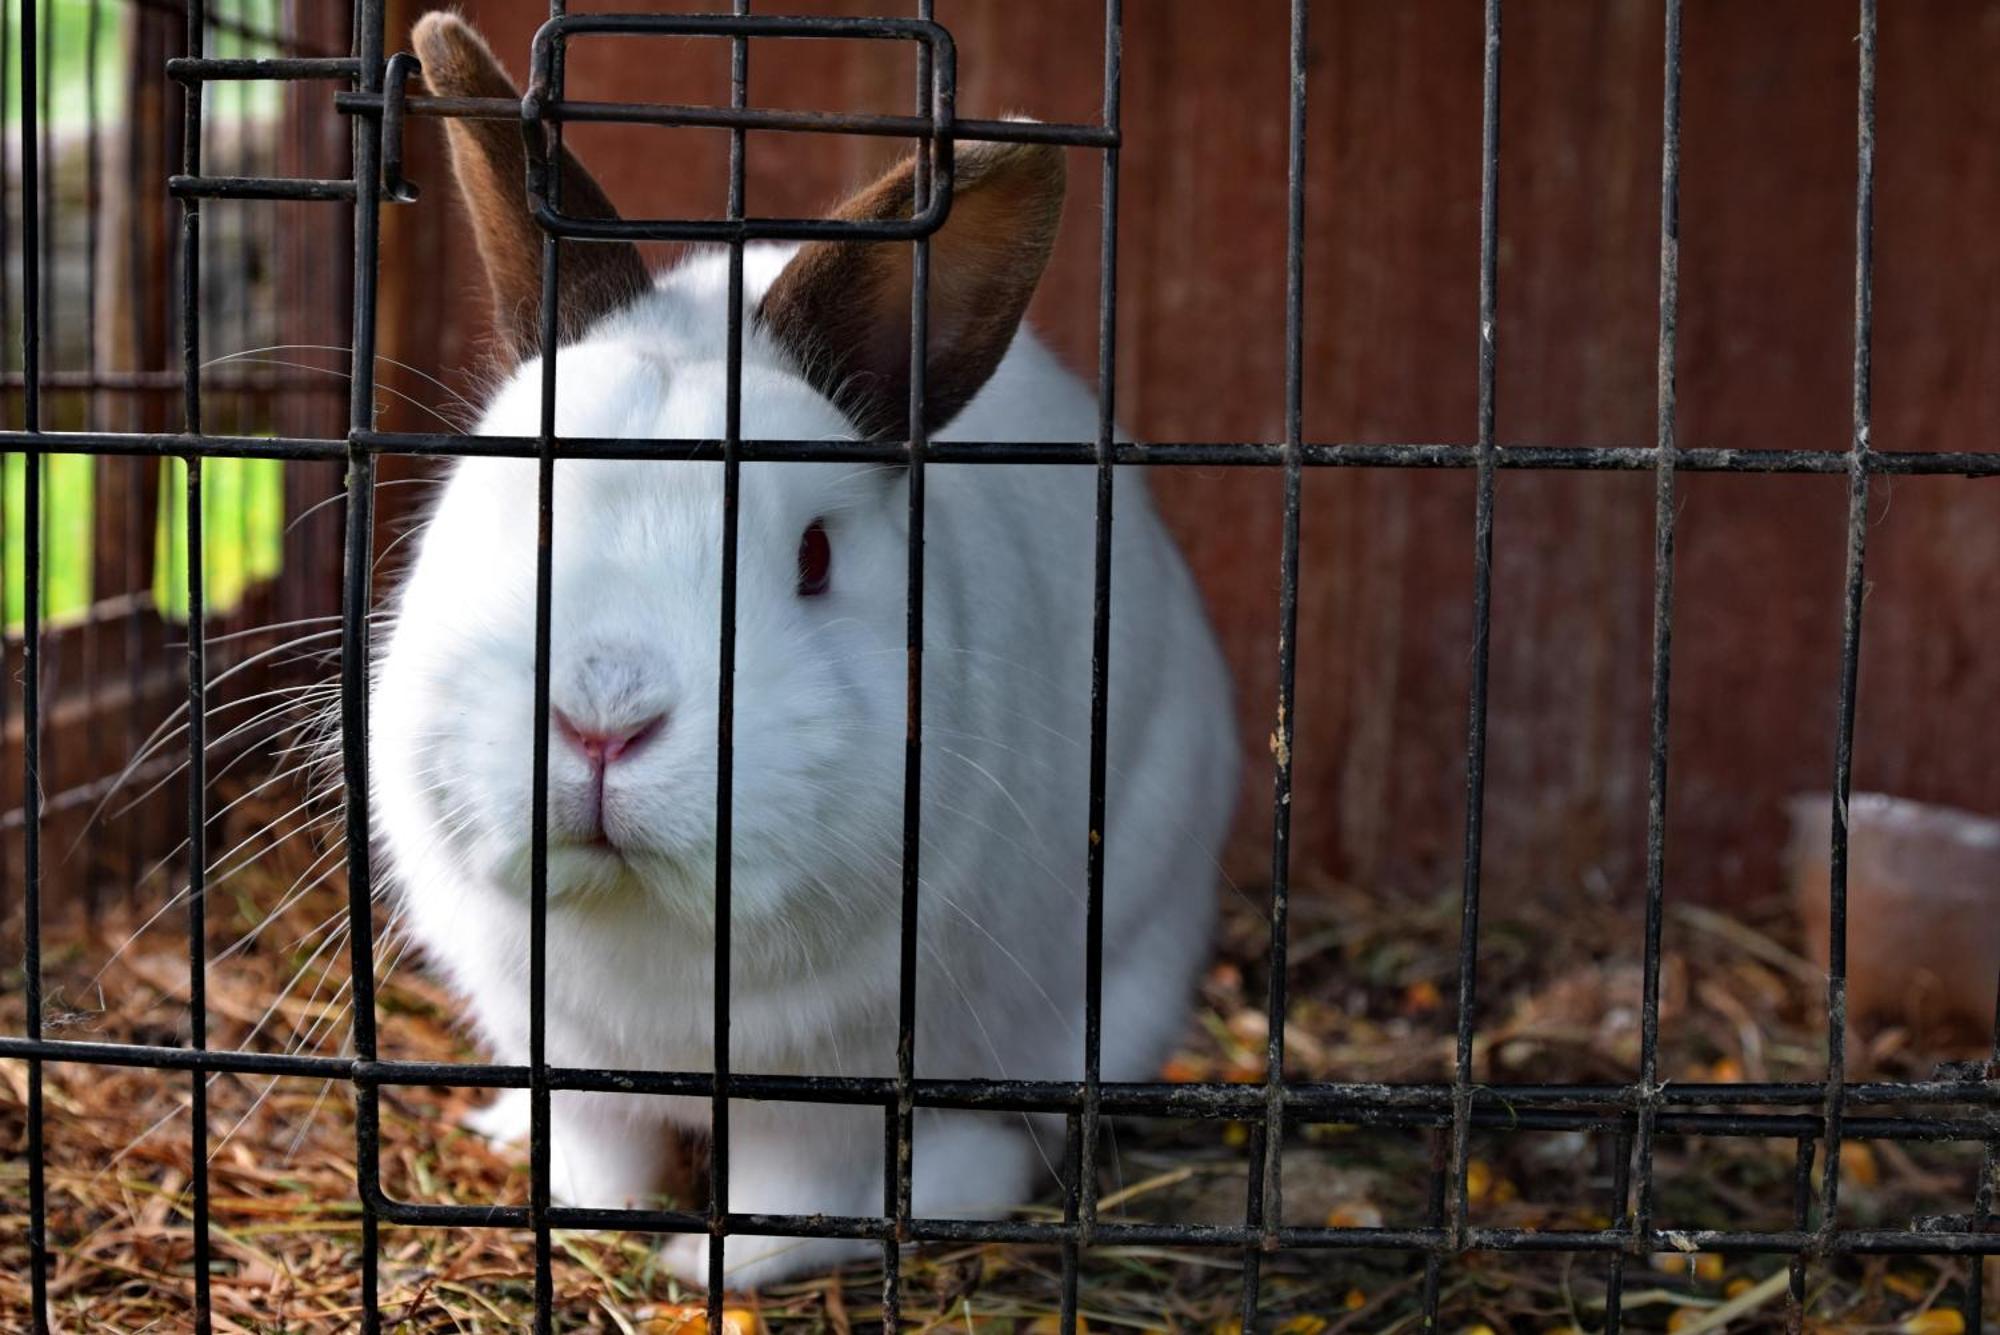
x: 842, y: 308
x: 490, y: 164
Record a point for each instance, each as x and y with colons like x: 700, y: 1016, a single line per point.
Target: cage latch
x: 395, y: 81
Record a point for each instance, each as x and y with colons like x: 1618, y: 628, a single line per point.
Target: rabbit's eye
x: 815, y: 560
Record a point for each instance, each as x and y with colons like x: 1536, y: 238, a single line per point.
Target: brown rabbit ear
x: 491, y: 166
x: 842, y: 308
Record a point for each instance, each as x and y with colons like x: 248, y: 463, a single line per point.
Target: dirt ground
x: 1372, y: 988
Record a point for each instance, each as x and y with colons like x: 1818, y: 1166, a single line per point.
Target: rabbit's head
x: 637, y: 557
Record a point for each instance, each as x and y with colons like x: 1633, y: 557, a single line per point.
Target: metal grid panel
x: 1961, y: 1104
x: 109, y: 361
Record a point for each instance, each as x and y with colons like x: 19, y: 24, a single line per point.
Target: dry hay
x: 1370, y: 1002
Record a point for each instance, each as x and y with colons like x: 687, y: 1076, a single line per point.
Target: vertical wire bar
x: 1436, y: 1213
x: 903, y: 1169
x: 1983, y: 1193
x: 1250, y: 1296
x: 1621, y: 1193
x: 1802, y: 1197
x: 1088, y: 1127
x: 135, y: 470
x: 538, y: 893
x: 1850, y: 635
x: 356, y: 578
x: 292, y: 420
x: 7, y: 341
x: 6, y: 179
x: 44, y: 203
x: 197, y: 668
x: 538, y: 900
x: 1666, y: 445
x: 1072, y: 1218
x: 725, y: 722
x: 252, y: 411
x: 1107, y: 330
x: 1482, y: 620
x: 31, y: 666
x: 100, y: 467
x: 1266, y: 1204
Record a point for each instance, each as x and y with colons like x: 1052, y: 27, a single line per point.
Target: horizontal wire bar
x: 1185, y: 454
x: 731, y: 230
x: 197, y: 69
x: 681, y: 115
x: 155, y: 444
x: 259, y: 187
x: 225, y: 381
x: 1116, y: 1233
x: 1311, y: 1101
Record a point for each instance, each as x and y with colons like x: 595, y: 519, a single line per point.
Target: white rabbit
x: 819, y: 712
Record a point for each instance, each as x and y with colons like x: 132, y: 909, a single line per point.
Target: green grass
x: 68, y: 509
x: 67, y: 24
x: 243, y: 500
x: 243, y: 530
x: 243, y: 521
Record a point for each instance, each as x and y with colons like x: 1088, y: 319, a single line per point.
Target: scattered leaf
x: 1354, y: 1214
x: 1859, y: 1165
x: 1937, y: 1321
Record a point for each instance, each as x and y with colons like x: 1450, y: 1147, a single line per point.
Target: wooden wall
x: 1767, y: 258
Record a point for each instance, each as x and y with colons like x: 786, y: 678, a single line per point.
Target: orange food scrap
x: 1355, y: 1300
x: 1937, y: 1321
x: 1184, y: 1070
x: 1705, y: 1266
x: 1420, y: 998
x: 1478, y: 1180
x: 692, y: 1319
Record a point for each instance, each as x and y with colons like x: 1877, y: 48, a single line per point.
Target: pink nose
x: 603, y: 746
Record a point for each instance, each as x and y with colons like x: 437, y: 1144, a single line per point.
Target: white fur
x: 819, y: 727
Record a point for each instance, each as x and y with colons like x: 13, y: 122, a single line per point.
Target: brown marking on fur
x: 490, y: 164
x: 842, y: 308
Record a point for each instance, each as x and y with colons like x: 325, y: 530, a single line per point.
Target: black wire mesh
x: 1959, y: 1104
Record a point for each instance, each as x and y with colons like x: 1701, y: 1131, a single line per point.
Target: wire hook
x: 394, y: 82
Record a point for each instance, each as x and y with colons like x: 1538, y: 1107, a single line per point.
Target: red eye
x: 815, y: 560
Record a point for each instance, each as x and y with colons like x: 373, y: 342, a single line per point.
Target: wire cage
x: 160, y: 431
x: 91, y: 285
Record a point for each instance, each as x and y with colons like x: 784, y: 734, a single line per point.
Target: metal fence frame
x: 1962, y: 1103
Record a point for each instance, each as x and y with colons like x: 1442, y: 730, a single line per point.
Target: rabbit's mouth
x: 600, y: 844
